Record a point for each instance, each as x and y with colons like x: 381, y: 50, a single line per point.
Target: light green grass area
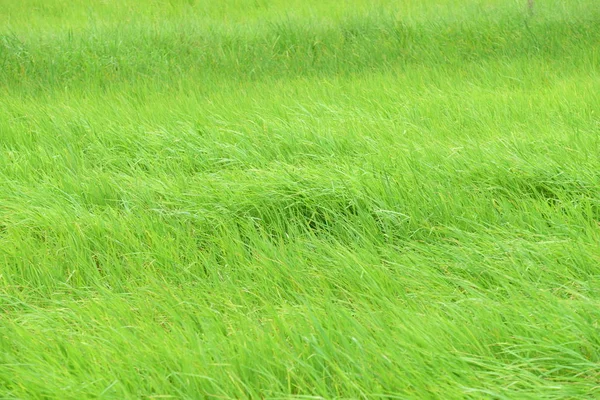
x: 299, y: 199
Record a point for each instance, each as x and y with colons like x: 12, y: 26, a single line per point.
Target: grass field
x: 299, y: 199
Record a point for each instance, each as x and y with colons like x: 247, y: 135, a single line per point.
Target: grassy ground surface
x: 279, y: 199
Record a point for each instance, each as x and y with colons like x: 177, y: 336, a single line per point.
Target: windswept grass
x: 247, y: 199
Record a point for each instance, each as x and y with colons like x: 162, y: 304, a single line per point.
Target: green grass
x: 299, y: 199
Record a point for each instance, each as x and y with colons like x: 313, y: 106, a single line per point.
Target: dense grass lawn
x: 299, y: 199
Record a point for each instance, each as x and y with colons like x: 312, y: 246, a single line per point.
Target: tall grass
x: 247, y: 199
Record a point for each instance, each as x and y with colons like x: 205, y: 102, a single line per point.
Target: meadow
x: 299, y: 199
